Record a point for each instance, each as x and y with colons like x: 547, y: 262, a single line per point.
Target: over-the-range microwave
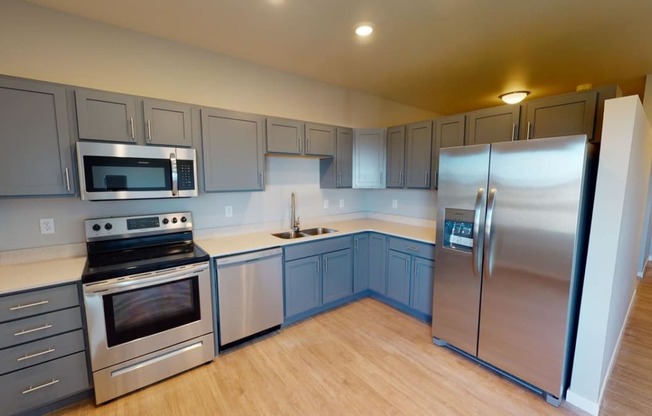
x: 110, y: 171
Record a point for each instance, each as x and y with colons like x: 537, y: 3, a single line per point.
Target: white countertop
x: 38, y: 274
x: 239, y: 243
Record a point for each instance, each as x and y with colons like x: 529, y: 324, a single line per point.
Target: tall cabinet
x: 337, y: 172
x: 418, y: 157
x: 34, y: 132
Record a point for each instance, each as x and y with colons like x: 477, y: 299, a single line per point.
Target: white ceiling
x: 446, y: 56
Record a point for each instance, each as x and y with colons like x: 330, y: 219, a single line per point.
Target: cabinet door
x: 369, y: 158
x: 419, y: 149
x: 492, y: 125
x: 360, y: 262
x: 284, y: 136
x: 302, y: 285
x: 561, y: 116
x: 320, y: 140
x: 344, y: 157
x: 337, y: 272
x: 377, y: 266
x: 398, y: 276
x: 106, y: 116
x: 423, y: 274
x: 34, y: 133
x: 232, y: 146
x: 167, y: 123
x: 449, y: 132
x: 396, y: 157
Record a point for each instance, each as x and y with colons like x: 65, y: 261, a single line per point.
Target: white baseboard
x: 583, y: 403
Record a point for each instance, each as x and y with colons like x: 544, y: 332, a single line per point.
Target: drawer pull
x: 36, y: 354
x: 411, y: 248
x: 29, y: 331
x: 29, y: 305
x: 49, y: 383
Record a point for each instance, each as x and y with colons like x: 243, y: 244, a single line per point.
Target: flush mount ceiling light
x: 514, y: 96
x: 363, y: 29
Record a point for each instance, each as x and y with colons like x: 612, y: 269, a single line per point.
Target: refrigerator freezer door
x: 463, y: 175
x: 535, y: 191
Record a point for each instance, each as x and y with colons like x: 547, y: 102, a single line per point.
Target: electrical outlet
x: 325, y: 203
x: 395, y: 203
x: 228, y: 211
x: 47, y: 225
x: 341, y: 203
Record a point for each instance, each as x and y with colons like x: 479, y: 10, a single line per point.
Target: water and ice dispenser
x: 458, y: 229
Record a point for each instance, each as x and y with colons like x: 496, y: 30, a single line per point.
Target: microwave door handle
x: 175, y: 176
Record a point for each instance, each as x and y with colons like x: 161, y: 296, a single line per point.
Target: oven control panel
x: 134, y: 226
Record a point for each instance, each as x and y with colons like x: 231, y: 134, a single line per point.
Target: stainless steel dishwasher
x: 250, y: 294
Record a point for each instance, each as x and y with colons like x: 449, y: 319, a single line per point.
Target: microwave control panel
x: 185, y: 175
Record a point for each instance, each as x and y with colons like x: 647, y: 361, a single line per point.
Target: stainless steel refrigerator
x: 512, y: 234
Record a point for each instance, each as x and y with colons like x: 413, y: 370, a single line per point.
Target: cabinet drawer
x: 44, y: 383
x: 298, y: 251
x: 39, y: 301
x: 37, y: 352
x: 415, y: 248
x: 37, y: 327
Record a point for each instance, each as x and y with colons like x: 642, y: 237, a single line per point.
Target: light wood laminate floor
x: 364, y: 358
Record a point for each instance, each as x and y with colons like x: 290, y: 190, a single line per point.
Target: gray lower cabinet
x: 42, y: 350
x: 369, y: 158
x: 337, y: 172
x: 361, y: 260
x: 36, y: 159
x: 396, y: 157
x: 448, y: 132
x: 316, y: 273
x: 418, y: 156
x: 492, y: 125
x: 106, y: 116
x: 562, y: 115
x: 167, y: 123
x: 410, y: 274
x: 378, y: 263
x: 232, y: 144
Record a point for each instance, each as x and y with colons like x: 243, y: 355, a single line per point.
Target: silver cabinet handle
x: 36, y: 354
x: 411, y: 248
x: 29, y: 305
x: 529, y: 129
x: 32, y: 388
x: 400, y: 178
x: 29, y: 331
x: 133, y: 131
x: 300, y: 144
x: 478, y: 237
x: 326, y: 264
x: 513, y: 131
x: 406, y: 267
x: 149, y: 131
x: 317, y: 266
x: 175, y: 174
x: 488, y: 246
x: 307, y: 144
x: 260, y: 178
x: 339, y: 178
x: 67, y: 179
x: 427, y: 177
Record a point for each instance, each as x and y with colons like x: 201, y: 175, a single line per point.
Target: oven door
x: 135, y: 315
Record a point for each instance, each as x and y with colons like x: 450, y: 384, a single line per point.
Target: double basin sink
x: 288, y: 235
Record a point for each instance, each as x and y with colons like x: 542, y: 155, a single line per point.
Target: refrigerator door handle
x: 488, y: 258
x: 478, y: 235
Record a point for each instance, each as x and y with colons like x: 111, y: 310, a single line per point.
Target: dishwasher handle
x: 246, y: 257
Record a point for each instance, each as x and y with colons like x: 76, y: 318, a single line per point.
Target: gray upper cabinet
x: 232, y: 145
x: 396, y: 157
x: 167, y: 123
x: 284, y: 136
x: 37, y: 154
x: 338, y: 171
x: 449, y: 132
x: 319, y: 140
x: 561, y: 116
x: 106, y: 116
x: 492, y: 125
x: 418, y: 158
x: 369, y: 158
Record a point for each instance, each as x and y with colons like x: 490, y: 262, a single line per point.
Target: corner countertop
x: 240, y: 243
x: 35, y: 275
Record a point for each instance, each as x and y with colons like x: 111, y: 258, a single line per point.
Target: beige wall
x: 47, y: 45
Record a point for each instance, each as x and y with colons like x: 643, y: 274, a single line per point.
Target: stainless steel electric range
x: 148, y: 301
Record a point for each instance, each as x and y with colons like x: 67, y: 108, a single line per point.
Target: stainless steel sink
x: 318, y: 231
x: 288, y: 235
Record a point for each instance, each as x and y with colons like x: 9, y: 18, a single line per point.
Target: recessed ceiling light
x: 514, y: 97
x: 364, y: 29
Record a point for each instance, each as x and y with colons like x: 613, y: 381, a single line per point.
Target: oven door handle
x: 140, y: 281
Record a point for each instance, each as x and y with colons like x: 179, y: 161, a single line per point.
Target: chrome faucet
x: 294, y: 220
